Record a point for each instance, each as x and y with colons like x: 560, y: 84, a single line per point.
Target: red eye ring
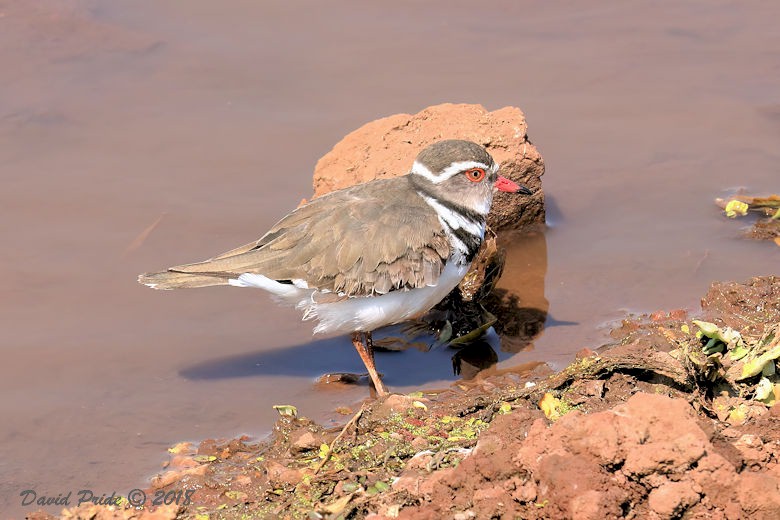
x: 475, y: 174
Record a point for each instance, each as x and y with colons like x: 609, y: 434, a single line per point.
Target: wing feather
x: 371, y: 238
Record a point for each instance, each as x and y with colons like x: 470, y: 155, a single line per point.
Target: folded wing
x: 368, y: 239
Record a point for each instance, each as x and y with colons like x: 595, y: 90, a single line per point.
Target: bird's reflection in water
x: 511, y: 302
x: 518, y: 301
x: 473, y: 358
x: 520, y: 326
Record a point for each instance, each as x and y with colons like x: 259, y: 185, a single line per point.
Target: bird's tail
x: 176, y: 280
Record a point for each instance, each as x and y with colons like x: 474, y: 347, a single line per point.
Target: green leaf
x: 706, y: 328
x: 236, y: 495
x: 445, y: 334
x: 324, y: 451
x: 713, y: 346
x: 721, y: 339
x: 286, y: 410
x: 350, y: 487
x: 738, y: 353
x: 726, y: 334
x: 755, y: 366
x: 736, y: 207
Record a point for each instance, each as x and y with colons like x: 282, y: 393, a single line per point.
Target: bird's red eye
x: 475, y: 174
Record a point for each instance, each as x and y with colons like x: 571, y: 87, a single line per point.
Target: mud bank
x: 631, y: 430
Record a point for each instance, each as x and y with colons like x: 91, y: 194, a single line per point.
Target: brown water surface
x: 207, y: 118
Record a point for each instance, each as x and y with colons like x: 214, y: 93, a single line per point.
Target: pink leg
x: 365, y: 349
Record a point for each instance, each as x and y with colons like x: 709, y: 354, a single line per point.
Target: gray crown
x: 442, y: 154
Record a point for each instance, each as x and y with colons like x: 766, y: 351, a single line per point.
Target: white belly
x: 364, y: 313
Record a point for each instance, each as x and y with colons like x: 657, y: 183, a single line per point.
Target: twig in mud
x: 332, y: 446
x: 143, y: 235
x: 701, y: 261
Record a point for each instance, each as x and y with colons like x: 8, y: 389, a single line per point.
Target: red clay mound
x: 385, y: 148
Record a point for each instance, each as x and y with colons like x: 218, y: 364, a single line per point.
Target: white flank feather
x: 360, y: 313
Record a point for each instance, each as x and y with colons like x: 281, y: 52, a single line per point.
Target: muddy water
x: 136, y: 135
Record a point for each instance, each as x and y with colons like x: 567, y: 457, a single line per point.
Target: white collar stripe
x: 455, y: 220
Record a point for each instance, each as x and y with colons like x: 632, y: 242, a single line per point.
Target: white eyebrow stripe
x: 453, y: 169
x: 421, y: 170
